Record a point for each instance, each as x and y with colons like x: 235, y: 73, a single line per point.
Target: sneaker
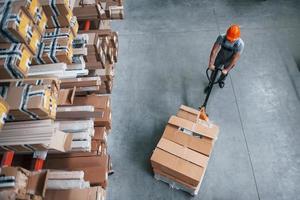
x: 221, y: 84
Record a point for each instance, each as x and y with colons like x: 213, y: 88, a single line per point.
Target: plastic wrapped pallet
x: 182, y: 154
x: 14, y: 60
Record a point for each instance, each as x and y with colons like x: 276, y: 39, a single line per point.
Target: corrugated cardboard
x: 183, y: 152
x: 188, y: 113
x: 93, y: 193
x: 195, y: 127
x: 177, y: 167
x: 100, y: 134
x: 95, y: 167
x: 36, y: 183
x: 31, y: 103
x: 105, y: 120
x: 66, y: 96
x: 157, y: 171
x: 80, y: 82
x: 202, y: 145
x: 15, y: 60
x: 192, y: 114
x: 99, y: 102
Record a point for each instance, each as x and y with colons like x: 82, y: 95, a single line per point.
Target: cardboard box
x: 93, y: 193
x: 99, y: 102
x: 181, y: 156
x: 180, y: 168
x: 15, y: 62
x: 18, y: 31
x: 58, y: 12
x: 80, y: 82
x: 95, y: 167
x: 100, y: 134
x: 195, y: 128
x: 66, y: 96
x: 105, y: 120
x: 78, y: 112
x: 31, y: 103
x: 32, y: 183
x: 55, y: 47
x: 200, y: 144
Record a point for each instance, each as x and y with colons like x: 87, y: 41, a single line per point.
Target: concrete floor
x: 164, y: 49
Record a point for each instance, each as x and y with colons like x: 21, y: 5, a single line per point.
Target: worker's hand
x: 211, y: 67
x: 225, y: 71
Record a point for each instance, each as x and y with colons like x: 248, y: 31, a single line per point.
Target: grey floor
x: 164, y: 49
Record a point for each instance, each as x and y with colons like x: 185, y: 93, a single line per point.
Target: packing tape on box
x: 22, y: 24
x: 3, y: 91
x: 26, y: 95
x: 57, y: 33
x: 24, y: 100
x: 6, y: 17
x: 50, y: 51
x: 41, y: 19
x: 53, y: 47
x: 22, y: 84
x: 16, y: 60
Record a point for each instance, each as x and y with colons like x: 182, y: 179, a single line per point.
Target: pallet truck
x: 213, y: 78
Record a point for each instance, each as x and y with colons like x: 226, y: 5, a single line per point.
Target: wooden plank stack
x: 182, y: 154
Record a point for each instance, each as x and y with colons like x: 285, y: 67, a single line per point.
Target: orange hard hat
x: 233, y: 33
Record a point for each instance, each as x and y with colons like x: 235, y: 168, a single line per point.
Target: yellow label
x: 46, y: 104
x: 33, y: 7
x: 36, y: 36
x: 70, y: 53
x: 3, y: 107
x: 42, y: 23
x: 24, y: 62
x: 23, y: 26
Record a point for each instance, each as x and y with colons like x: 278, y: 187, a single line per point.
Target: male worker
x: 226, y: 52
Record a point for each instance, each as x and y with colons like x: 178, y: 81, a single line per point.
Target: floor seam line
x: 245, y: 139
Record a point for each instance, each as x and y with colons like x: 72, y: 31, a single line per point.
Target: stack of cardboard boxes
x: 182, y: 154
x: 22, y: 26
x: 55, y: 86
x: 19, y: 183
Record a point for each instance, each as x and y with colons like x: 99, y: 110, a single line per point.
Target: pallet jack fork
x: 212, y: 81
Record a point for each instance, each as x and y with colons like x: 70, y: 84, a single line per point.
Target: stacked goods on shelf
x: 19, y: 183
x: 88, y: 119
x: 82, y: 131
x: 22, y: 26
x: 56, y: 83
x: 71, y: 185
x: 30, y: 136
x: 182, y: 154
x: 94, y: 10
x: 30, y: 99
